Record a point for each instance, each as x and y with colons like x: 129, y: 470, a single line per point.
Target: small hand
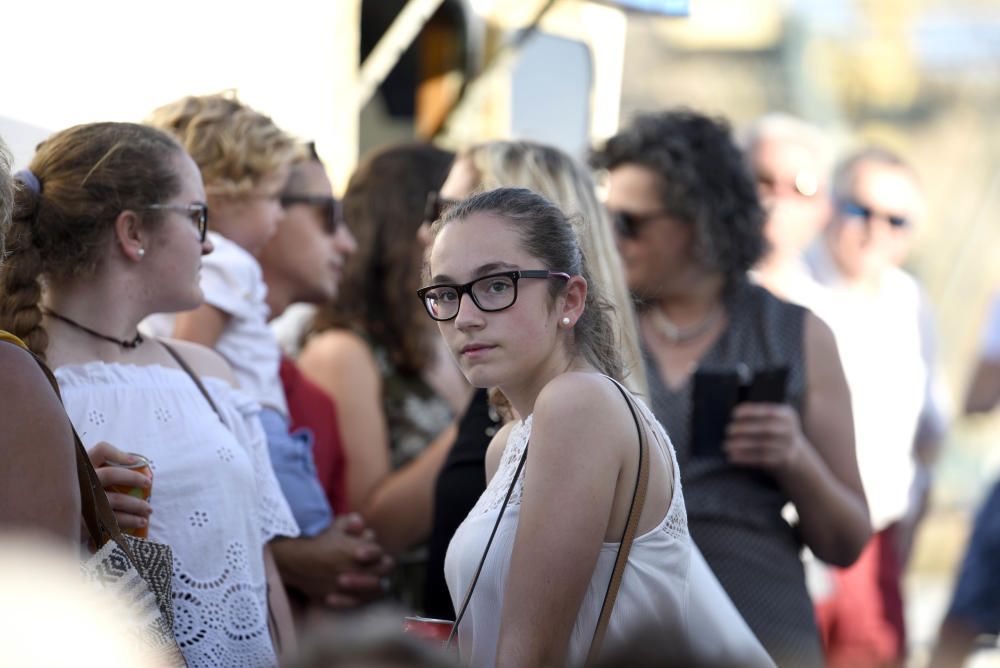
x: 342, y: 566
x: 353, y: 524
x: 768, y: 436
x: 130, y: 512
x: 366, y: 578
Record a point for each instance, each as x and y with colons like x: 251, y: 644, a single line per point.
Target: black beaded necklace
x: 129, y: 344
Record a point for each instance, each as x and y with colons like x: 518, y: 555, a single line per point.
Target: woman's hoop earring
x: 566, y: 321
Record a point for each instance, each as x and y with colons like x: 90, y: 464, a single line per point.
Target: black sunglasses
x: 627, y: 225
x: 332, y: 215
x: 493, y: 292
x: 867, y: 213
x: 435, y: 206
x: 197, y: 212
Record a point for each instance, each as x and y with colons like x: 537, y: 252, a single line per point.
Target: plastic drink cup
x: 142, y: 466
x: 436, y: 630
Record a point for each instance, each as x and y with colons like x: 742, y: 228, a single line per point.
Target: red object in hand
x: 430, y: 629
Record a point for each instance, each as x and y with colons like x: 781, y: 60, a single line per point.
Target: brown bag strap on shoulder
x: 191, y: 374
x: 631, y: 526
x: 94, y: 505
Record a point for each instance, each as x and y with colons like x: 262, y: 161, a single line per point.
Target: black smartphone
x: 715, y: 394
x: 767, y: 387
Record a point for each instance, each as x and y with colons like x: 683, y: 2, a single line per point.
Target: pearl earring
x: 142, y: 252
x: 565, y: 322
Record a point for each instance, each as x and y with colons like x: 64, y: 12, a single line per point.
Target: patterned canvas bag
x: 137, y: 571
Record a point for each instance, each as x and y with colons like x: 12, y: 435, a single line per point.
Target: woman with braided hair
x: 108, y: 227
x: 38, y: 487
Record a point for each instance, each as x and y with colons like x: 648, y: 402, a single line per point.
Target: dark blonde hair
x: 546, y: 233
x: 88, y: 175
x: 233, y: 145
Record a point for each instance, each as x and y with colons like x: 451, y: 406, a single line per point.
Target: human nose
x: 469, y: 315
x: 344, y: 241
x: 877, y: 229
x: 207, y: 246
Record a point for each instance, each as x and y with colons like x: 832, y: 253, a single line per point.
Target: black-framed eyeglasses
x: 329, y: 206
x: 435, y: 206
x: 493, y: 292
x: 866, y: 213
x: 197, y: 212
x: 627, y: 225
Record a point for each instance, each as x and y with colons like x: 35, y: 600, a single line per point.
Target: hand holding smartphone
x: 716, y: 393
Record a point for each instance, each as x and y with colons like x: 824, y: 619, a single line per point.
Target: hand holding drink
x: 128, y: 480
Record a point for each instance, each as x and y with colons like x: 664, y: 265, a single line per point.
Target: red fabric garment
x: 861, y: 623
x: 311, y: 409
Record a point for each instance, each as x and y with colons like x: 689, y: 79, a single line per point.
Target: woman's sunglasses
x: 627, y: 225
x: 329, y: 206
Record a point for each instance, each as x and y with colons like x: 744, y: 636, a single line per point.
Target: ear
x: 574, y: 299
x: 130, y: 235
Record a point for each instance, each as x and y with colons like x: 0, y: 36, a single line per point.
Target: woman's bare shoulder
x: 19, y: 370
x: 586, y: 407
x: 590, y: 396
x: 203, y: 360
x: 339, y: 347
x: 28, y: 394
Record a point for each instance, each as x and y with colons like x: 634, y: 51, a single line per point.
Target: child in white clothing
x: 244, y: 160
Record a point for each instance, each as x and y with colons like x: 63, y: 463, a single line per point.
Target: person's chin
x: 479, y: 375
x: 193, y: 301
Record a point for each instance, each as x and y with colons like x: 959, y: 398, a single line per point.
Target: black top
x: 459, y: 485
x: 734, y: 513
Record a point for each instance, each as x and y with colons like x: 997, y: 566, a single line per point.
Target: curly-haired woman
x: 750, y: 388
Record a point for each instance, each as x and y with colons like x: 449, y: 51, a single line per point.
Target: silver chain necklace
x: 676, y: 334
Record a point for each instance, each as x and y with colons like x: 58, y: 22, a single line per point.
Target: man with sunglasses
x: 791, y: 162
x: 340, y: 565
x: 880, y: 317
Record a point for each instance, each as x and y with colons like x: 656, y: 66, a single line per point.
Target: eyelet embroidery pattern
x: 219, y: 591
x: 207, y: 610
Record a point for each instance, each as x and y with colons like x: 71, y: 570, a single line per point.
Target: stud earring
x: 142, y: 252
x: 565, y: 322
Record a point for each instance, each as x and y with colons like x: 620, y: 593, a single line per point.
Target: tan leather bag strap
x: 631, y: 526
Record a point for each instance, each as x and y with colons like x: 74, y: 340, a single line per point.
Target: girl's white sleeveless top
x: 666, y: 584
